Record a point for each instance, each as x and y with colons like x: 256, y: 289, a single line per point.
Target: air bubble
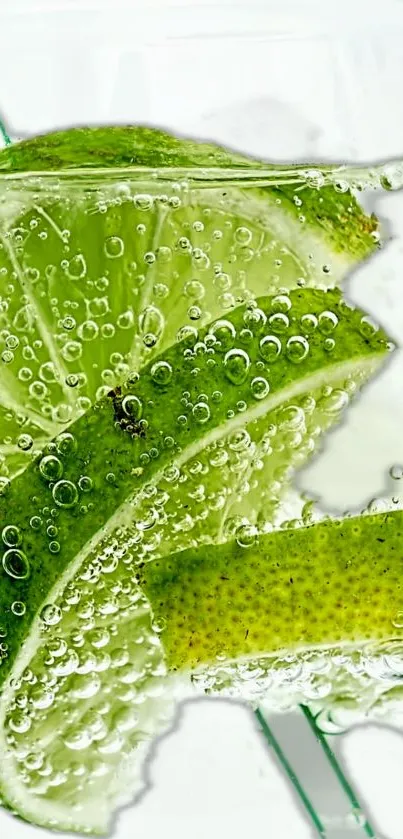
x: 161, y: 373
x: 18, y: 608
x: 114, y: 247
x: 309, y: 323
x: 279, y: 322
x: 327, y: 322
x: 259, y: 387
x: 11, y: 536
x: 132, y: 406
x: 396, y: 472
x: 16, y: 564
x: 51, y: 467
x: 65, y: 494
x: 236, y: 366
x: 75, y: 268
x: 88, y: 330
x: 225, y: 333
x: 51, y: 614
x: 270, y: 347
x: 201, y: 412
x: 297, y: 348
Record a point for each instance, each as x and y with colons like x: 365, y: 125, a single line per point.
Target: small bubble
x: 88, y: 330
x: 66, y: 444
x: 7, y: 356
x: 51, y: 467
x: 54, y: 547
x: 225, y: 333
x: 143, y: 202
x: 114, y: 247
x: 194, y: 312
x: 327, y: 322
x: 255, y: 320
x: 396, y: 472
x: 19, y: 722
x: 243, y: 235
x: 51, y: 614
x: 35, y: 522
x: 65, y: 494
x: 11, y: 536
x: 246, y: 535
x: 309, y: 323
x: 329, y: 344
x: 161, y: 373
x: 16, y: 564
x: 85, y: 483
x: 107, y: 330
x: 201, y: 412
x: 75, y: 268
x: 281, y: 303
x: 279, y: 322
x: 270, y: 347
x: 12, y: 342
x: 68, y: 322
x: 236, y: 365
x: 259, y: 387
x: 18, y: 608
x: 297, y: 348
x: 132, y: 406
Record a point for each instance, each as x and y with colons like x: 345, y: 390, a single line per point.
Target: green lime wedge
x: 112, y: 240
x: 81, y: 647
x: 172, y: 346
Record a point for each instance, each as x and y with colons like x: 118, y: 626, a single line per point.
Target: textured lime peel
x: 329, y: 584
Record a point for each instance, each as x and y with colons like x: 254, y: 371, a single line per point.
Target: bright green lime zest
x: 329, y: 584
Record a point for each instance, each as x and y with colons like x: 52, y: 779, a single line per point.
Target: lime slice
x: 157, y: 321
x: 84, y: 669
x: 115, y: 239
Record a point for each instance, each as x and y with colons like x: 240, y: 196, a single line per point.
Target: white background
x: 288, y: 81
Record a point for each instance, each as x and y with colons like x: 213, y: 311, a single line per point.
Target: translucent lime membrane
x: 173, y: 347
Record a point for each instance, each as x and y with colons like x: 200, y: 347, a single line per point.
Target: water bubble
x: 107, y: 330
x: 225, y: 333
x: 280, y: 303
x: 98, y: 307
x: 47, y: 372
x: 236, y: 366
x: 143, y: 201
x: 270, y: 347
x: 246, y: 535
x: 194, y: 312
x: 397, y: 621
x: 51, y: 614
x: 68, y: 322
x: 132, y: 406
x: 18, y: 608
x: 16, y: 564
x: 11, y: 536
x: 19, y: 722
x: 279, y: 322
x: 329, y: 344
x: 66, y: 444
x: 7, y: 356
x: 255, y: 320
x: 309, y: 322
x: 85, y: 484
x: 65, y: 494
x: 396, y: 472
x: 54, y: 547
x: 201, y: 412
x: 188, y: 335
x: 259, y: 387
x: 114, y: 247
x: 194, y: 289
x: 327, y: 322
x: 88, y: 330
x: 76, y: 267
x: 335, y: 402
x: 151, y: 322
x: 51, y: 467
x: 12, y: 342
x: 297, y: 348
x: 161, y: 373
x: 77, y: 739
x: 35, y: 522
x: 71, y: 351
